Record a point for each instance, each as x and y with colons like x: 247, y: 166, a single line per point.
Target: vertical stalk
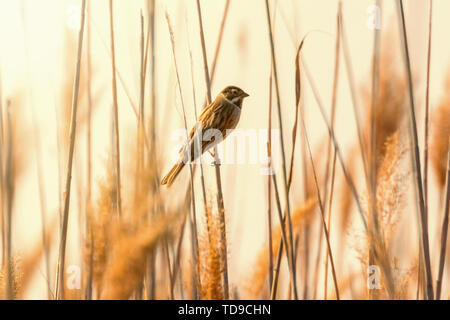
x: 269, y: 182
x: 416, y: 156
x: 89, y: 154
x: 220, y: 204
x: 427, y: 108
x: 73, y: 124
x: 194, y: 216
x: 2, y: 182
x: 9, y: 184
x: 115, y: 108
x: 283, y: 155
x: 373, y: 218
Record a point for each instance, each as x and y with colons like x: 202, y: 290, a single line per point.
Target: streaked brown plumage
x: 222, y: 114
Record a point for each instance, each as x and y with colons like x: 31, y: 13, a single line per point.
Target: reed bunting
x: 222, y: 114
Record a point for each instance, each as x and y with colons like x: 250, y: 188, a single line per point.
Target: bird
x: 222, y: 114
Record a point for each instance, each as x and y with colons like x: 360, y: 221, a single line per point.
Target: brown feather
x: 222, y: 115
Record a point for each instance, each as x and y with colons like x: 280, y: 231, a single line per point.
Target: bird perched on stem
x: 212, y: 126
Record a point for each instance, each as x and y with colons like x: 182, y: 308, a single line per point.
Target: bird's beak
x: 244, y: 95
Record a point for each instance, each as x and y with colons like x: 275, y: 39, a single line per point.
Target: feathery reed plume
x: 440, y: 128
x: 210, y: 286
x: 256, y: 286
x: 97, y: 246
x: 321, y: 206
x: 129, y: 252
x: 415, y: 154
x: 390, y: 197
x: 194, y: 239
x: 10, y: 188
x: 14, y: 274
x: 391, y: 187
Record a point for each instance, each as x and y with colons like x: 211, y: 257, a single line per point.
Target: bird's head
x: 235, y: 95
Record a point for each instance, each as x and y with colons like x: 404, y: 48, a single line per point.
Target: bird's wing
x: 220, y: 115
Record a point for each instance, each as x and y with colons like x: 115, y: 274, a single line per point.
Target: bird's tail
x: 173, y: 173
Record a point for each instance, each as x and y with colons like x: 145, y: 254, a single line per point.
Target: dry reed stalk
x: 14, y: 154
x: 14, y: 274
x: 9, y: 195
x: 88, y: 203
x: 427, y: 108
x: 202, y: 177
x: 289, y: 249
x: 115, y: 109
x: 444, y: 231
x: 330, y: 203
x: 345, y: 170
x: 440, y: 133
x: 194, y: 218
x: 391, y: 187
x: 141, y: 125
x: 373, y: 223
x: 269, y: 181
x: 282, y: 245
x: 257, y: 283
x: 220, y: 202
x: 329, y: 149
x: 349, y: 181
x: 291, y: 262
x: 151, y: 274
x: 390, y: 199
x: 416, y: 156
x: 62, y: 249
x: 322, y: 210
